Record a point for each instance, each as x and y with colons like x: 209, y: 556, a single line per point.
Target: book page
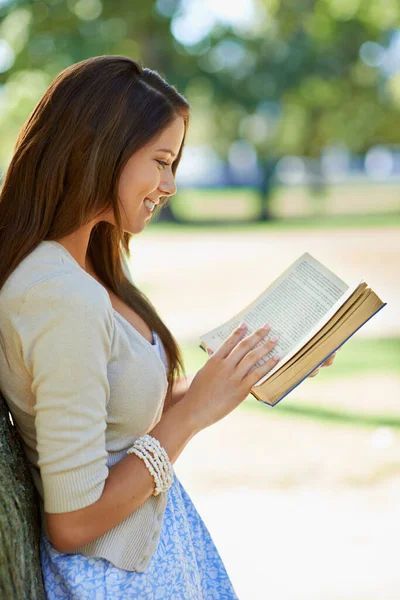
x: 335, y: 308
x: 294, y: 304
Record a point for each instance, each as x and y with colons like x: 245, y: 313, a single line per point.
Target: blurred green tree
x: 290, y: 80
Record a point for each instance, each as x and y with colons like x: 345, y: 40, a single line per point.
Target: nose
x: 167, y: 184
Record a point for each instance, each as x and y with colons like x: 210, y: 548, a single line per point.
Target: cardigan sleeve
x: 65, y: 329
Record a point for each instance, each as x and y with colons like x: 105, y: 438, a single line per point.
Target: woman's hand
x: 226, y: 379
x: 327, y: 363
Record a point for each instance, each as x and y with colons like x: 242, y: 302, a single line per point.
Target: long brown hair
x: 66, y: 166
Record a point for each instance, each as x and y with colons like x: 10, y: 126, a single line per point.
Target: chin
x: 135, y: 229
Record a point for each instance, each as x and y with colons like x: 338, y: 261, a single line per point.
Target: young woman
x: 89, y: 371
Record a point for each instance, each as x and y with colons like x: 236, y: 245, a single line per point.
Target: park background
x: 294, y: 146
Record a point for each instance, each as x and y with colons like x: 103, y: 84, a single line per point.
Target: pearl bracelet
x: 149, y: 466
x: 160, y: 456
x: 159, y: 468
x: 158, y: 465
x: 160, y: 459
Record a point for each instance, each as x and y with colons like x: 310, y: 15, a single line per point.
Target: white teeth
x: 149, y: 204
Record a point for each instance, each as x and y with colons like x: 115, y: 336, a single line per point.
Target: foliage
x: 289, y: 81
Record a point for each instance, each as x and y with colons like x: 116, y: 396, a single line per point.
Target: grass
x: 354, y: 358
x: 342, y: 206
x: 286, y: 408
x: 286, y: 224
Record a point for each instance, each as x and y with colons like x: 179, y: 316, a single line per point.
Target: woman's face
x: 148, y: 174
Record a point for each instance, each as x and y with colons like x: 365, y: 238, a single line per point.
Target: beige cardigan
x: 82, y: 386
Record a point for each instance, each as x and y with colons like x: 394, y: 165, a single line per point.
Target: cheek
x: 138, y: 182
x: 124, y: 186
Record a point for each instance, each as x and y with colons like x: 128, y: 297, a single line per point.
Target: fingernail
x: 243, y: 325
x: 274, y: 338
x: 266, y: 326
x: 276, y: 357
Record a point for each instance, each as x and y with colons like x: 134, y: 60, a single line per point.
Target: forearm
x: 129, y: 484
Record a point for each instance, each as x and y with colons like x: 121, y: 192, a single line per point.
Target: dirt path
x: 300, y: 509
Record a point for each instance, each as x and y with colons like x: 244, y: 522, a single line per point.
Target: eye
x: 161, y: 162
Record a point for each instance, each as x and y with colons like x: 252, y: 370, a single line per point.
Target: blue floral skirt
x: 185, y: 566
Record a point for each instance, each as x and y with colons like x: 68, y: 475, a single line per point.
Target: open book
x: 312, y: 312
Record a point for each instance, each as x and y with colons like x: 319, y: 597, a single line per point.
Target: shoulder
x: 44, y: 279
x: 69, y: 291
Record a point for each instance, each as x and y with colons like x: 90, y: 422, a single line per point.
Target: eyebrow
x: 165, y: 150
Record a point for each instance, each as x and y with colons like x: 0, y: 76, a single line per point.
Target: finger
x: 227, y: 346
x: 254, y: 376
x: 251, y: 359
x: 314, y: 373
x: 248, y: 343
x: 329, y: 361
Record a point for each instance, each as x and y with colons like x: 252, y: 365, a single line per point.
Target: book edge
x: 323, y: 360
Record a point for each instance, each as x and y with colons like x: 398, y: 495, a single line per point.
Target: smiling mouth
x: 149, y: 204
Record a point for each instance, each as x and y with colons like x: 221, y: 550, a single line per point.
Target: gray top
x: 83, y: 384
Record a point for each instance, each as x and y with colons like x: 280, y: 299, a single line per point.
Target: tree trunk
x: 266, y: 188
x: 20, y: 569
